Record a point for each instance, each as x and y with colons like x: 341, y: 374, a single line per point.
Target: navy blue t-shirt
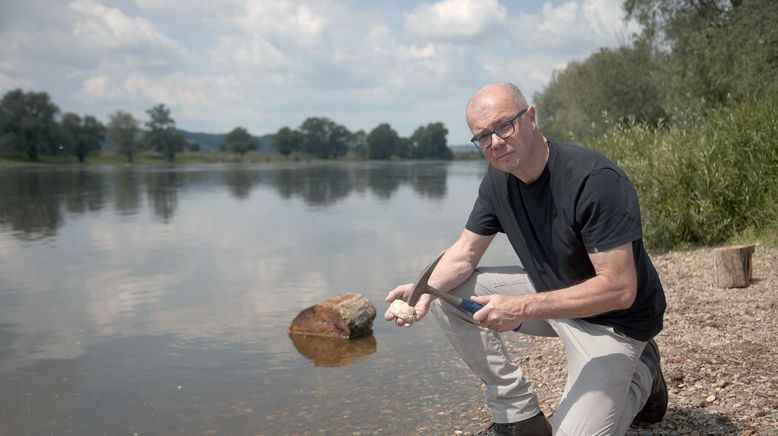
x: 582, y: 203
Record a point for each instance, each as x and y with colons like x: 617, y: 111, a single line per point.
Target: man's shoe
x: 536, y: 426
x: 656, y: 406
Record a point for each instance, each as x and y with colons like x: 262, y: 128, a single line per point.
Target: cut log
x: 344, y: 316
x: 733, y: 265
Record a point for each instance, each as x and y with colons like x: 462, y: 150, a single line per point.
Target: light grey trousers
x: 606, y: 387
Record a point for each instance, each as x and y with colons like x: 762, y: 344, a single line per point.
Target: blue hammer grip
x: 473, y: 307
x: 470, y: 305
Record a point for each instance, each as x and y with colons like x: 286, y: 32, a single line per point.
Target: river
x: 156, y: 299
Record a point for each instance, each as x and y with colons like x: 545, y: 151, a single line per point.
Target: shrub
x: 706, y: 177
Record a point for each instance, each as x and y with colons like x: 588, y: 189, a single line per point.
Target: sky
x: 267, y: 64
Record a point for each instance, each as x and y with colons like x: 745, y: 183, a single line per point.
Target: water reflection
x: 162, y: 191
x: 34, y: 203
x: 160, y: 303
x: 29, y: 203
x: 332, y: 352
x: 127, y: 198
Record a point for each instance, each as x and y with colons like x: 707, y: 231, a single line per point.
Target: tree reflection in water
x: 34, y: 203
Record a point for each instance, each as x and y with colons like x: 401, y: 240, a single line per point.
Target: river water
x: 156, y: 299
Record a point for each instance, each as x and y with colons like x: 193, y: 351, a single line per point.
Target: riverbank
x: 109, y: 157
x: 717, y: 351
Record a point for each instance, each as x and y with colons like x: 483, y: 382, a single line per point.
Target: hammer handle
x: 463, y: 303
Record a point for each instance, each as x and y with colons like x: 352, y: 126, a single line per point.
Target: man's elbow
x: 626, y: 296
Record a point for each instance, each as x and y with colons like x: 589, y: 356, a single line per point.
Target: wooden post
x: 344, y: 316
x: 733, y: 265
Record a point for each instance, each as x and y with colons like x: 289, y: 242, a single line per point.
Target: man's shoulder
x: 575, y: 160
x: 570, y: 152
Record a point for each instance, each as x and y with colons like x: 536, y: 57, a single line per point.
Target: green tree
x: 610, y: 85
x: 382, y: 142
x: 720, y: 50
x: 323, y: 138
x: 287, y: 141
x: 430, y: 142
x: 161, y: 134
x: 27, y: 123
x: 123, y: 131
x: 81, y: 137
x: 358, y: 145
x: 239, y: 141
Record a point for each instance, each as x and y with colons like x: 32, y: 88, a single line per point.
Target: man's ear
x: 531, y: 113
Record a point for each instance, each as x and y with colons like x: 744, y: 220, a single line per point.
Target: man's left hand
x: 500, y: 313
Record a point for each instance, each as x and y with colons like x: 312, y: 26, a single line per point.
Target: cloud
x: 109, y: 31
x: 455, y: 20
x: 264, y: 64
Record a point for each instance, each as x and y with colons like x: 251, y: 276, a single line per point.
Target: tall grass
x: 708, y: 177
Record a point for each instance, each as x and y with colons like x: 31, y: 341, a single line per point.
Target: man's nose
x: 497, y: 142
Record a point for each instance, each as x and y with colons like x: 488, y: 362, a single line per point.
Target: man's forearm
x: 459, y: 262
x: 613, y: 287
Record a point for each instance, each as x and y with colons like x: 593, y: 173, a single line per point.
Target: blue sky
x: 266, y: 64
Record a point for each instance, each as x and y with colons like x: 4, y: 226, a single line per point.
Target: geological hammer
x: 420, y: 287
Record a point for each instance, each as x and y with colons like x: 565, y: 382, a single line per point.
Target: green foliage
x: 27, y: 123
x: 719, y: 50
x: 123, y: 131
x: 709, y: 176
x: 382, y: 142
x: 239, y: 141
x: 161, y: 135
x: 323, y: 138
x: 81, y: 137
x: 430, y: 142
x: 610, y: 85
x: 287, y: 141
x: 358, y: 146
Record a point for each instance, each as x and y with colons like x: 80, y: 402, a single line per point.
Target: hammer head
x: 420, y: 285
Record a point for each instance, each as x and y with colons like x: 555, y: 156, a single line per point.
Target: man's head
x: 504, y: 127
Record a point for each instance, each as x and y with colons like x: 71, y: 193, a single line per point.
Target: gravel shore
x: 718, y: 351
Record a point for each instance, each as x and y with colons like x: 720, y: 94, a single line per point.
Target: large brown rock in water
x: 344, y: 316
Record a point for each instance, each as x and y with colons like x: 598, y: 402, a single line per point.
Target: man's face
x: 490, y: 111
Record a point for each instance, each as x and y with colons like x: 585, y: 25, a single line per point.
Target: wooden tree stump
x: 344, y: 316
x: 733, y: 265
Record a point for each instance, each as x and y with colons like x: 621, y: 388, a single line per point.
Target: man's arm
x: 454, y: 268
x: 613, y: 287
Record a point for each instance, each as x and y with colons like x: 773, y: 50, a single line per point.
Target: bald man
x: 572, y: 217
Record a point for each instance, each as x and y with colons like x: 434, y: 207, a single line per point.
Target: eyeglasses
x: 502, y: 130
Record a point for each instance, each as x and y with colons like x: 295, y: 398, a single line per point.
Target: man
x: 572, y: 217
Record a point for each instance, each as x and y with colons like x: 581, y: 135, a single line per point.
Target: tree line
x: 324, y: 139
x: 30, y: 124
x: 710, y: 53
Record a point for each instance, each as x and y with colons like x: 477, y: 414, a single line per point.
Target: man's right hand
x: 403, y: 292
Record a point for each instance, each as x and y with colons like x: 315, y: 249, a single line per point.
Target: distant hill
x: 212, y: 141
x: 208, y: 141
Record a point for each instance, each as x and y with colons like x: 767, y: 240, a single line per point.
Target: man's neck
x: 536, y: 163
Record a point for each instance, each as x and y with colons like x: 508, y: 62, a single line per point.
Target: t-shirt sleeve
x: 607, y: 211
x: 483, y: 218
